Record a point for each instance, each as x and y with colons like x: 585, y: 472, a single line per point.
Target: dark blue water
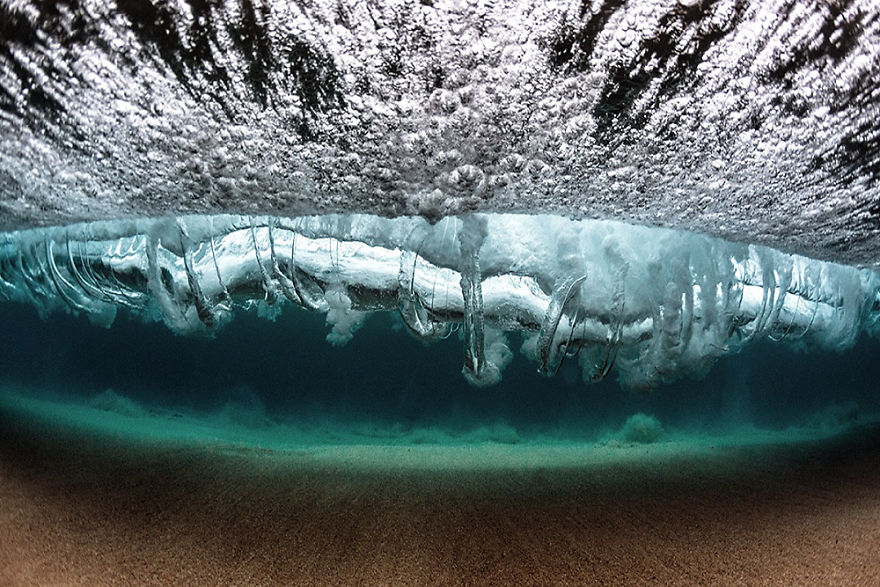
x: 286, y: 370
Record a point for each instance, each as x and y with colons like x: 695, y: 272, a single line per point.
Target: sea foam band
x: 654, y: 304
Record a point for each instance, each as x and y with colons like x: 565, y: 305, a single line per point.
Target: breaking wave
x: 651, y: 304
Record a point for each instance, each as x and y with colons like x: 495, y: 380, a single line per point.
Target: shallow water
x: 251, y: 451
x: 114, y: 492
x: 279, y: 377
x: 263, y: 453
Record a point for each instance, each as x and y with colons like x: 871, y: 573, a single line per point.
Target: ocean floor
x: 104, y: 490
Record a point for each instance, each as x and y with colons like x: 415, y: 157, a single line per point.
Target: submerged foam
x: 654, y: 304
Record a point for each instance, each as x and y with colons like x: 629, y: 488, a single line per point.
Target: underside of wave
x: 652, y: 304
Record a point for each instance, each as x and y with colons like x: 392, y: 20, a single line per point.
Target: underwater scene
x: 457, y: 360
x: 441, y: 292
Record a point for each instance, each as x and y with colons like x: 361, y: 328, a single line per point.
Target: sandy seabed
x: 80, y: 505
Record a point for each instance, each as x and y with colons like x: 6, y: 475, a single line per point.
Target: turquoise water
x: 278, y: 384
x: 263, y: 451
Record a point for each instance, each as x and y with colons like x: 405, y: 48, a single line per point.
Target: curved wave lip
x: 651, y: 304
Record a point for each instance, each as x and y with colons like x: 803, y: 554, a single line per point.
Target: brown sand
x: 83, y: 509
